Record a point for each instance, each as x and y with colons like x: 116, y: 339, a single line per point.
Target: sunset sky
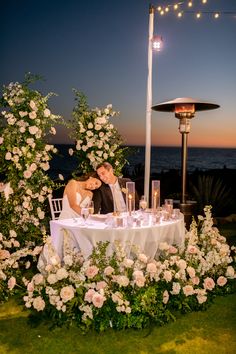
x: 100, y: 48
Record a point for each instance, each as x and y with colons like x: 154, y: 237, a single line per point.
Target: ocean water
x: 162, y: 159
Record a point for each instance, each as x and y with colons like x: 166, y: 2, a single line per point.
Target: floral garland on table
x: 25, y: 120
x: 121, y: 292
x: 97, y: 140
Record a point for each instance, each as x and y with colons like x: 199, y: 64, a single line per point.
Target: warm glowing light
x: 216, y: 15
x: 180, y: 14
x: 167, y: 9
x: 198, y: 15
x: 204, y: 1
x: 159, y: 8
x: 176, y: 6
x: 162, y: 12
x: 190, y: 4
x: 157, y: 43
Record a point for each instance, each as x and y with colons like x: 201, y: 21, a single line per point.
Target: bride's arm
x: 70, y: 191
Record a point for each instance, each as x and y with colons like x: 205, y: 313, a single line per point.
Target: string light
x: 164, y: 10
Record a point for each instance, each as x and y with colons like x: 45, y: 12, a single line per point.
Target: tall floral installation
x: 133, y: 292
x: 24, y: 159
x: 96, y: 138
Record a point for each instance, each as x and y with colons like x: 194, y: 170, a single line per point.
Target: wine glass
x: 85, y: 213
x: 91, y: 207
x: 143, y: 203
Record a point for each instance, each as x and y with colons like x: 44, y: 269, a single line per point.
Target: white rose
x: 46, y: 112
x: 33, y: 129
x: 32, y: 115
x: 33, y: 105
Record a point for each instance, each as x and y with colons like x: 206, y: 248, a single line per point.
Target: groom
x: 109, y: 197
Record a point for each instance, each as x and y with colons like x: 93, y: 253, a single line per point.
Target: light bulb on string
x: 198, y: 14
x: 190, y: 4
x: 216, y: 15
x: 180, y: 14
x: 176, y: 6
x: 204, y: 1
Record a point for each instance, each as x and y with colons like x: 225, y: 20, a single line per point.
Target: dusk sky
x: 101, y: 47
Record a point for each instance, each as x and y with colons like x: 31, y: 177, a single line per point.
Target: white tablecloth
x: 86, y: 237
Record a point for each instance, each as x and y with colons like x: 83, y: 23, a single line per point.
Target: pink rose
x: 98, y: 300
x: 192, y: 249
x: 209, y: 284
x: 91, y: 271
x: 89, y: 295
x: 151, y: 268
x: 167, y: 275
x: 221, y: 281
x: 101, y: 285
x: 195, y: 280
x: 11, y: 283
x: 140, y: 281
x: 67, y: 293
x: 39, y: 303
x: 172, y: 250
x: 188, y: 290
x: 201, y: 299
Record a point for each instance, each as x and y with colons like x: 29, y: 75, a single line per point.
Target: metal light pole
x: 184, y: 109
x: 154, y: 42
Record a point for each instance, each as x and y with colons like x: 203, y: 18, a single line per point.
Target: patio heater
x: 184, y: 109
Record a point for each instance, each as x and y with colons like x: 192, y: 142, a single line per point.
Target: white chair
x: 55, y: 207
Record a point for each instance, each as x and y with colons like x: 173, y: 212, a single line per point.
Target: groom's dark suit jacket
x: 103, y: 199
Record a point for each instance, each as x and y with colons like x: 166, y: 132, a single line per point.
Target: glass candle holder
x: 155, y: 195
x: 130, y: 197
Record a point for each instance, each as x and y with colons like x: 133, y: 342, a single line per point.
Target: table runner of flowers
x: 121, y: 292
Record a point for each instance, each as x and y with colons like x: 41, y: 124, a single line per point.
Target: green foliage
x: 211, y: 191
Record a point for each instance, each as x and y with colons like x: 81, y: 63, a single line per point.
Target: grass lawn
x: 213, y: 331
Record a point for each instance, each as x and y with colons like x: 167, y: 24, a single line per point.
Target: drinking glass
x: 85, y: 213
x: 169, y: 206
x: 143, y: 203
x: 91, y: 207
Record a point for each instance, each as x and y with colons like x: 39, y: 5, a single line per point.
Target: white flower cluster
x: 24, y: 156
x: 118, y: 280
x: 95, y: 137
x: 97, y: 140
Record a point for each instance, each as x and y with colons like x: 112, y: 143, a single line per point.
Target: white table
x: 86, y: 237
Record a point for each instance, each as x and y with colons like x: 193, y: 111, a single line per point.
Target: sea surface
x: 162, y: 159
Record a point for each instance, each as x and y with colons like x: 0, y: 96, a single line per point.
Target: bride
x: 77, y: 195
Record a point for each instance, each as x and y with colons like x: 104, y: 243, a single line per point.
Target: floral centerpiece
x: 96, y: 138
x: 122, y: 292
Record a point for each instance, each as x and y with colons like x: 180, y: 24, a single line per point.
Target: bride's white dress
x: 67, y: 212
